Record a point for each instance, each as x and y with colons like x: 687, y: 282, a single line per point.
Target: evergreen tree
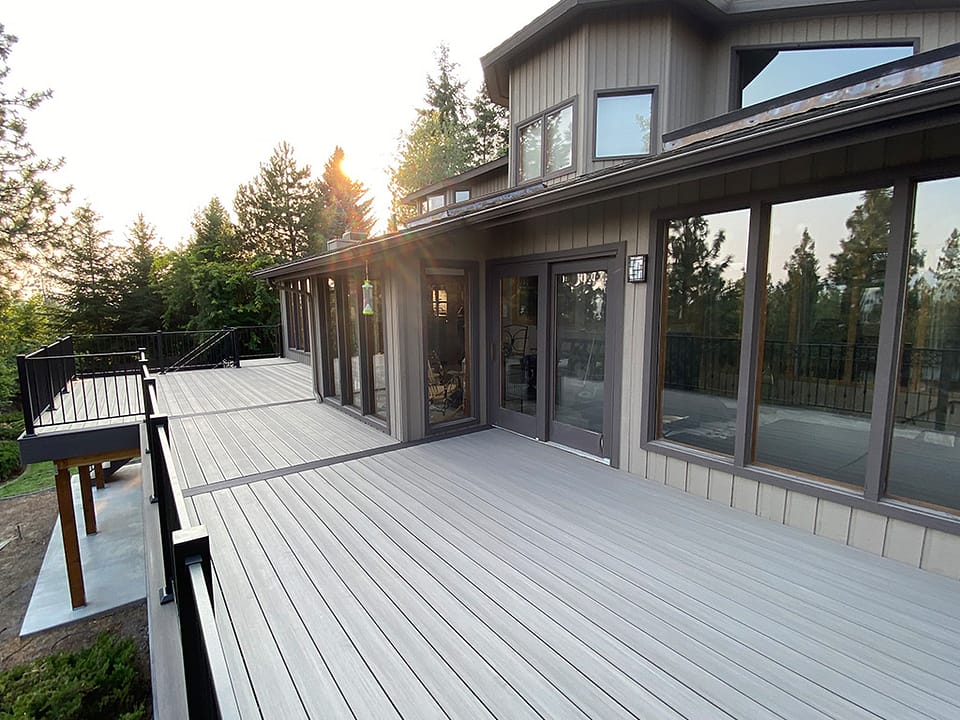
x: 698, y: 295
x: 87, y: 275
x: 140, y: 306
x: 438, y: 144
x: 348, y: 208
x: 490, y: 128
x: 28, y: 202
x: 280, y: 212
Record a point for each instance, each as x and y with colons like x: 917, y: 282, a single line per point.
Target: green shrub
x: 102, y: 681
x: 9, y: 459
x: 11, y: 425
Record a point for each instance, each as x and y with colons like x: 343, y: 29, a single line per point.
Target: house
x: 717, y: 256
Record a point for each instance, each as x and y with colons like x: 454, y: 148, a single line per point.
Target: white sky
x: 157, y: 108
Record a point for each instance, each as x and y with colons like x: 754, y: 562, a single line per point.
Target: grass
x: 38, y: 476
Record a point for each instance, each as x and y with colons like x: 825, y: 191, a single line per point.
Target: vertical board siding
x: 905, y: 542
x: 932, y: 29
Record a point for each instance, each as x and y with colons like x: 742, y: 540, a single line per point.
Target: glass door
x: 580, y: 398
x: 517, y: 399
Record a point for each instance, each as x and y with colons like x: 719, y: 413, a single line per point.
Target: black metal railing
x: 187, y: 568
x: 59, y: 387
x: 190, y: 349
x: 829, y: 376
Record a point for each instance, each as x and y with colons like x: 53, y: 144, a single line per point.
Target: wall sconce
x: 637, y: 269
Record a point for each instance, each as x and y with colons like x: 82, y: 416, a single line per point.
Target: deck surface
x: 492, y: 576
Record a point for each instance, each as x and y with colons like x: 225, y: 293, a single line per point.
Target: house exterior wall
x: 929, y: 30
x: 690, y: 65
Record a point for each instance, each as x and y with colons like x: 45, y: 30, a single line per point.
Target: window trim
x: 542, y: 117
x: 654, y: 146
x: 735, y: 92
x: 871, y: 497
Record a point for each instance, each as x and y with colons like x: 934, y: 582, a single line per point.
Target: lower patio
x: 487, y: 575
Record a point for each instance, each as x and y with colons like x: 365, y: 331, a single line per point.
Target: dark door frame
x: 615, y: 253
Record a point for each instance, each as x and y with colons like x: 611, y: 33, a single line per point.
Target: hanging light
x: 367, y: 292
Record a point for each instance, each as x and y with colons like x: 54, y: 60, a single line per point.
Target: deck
x: 488, y: 575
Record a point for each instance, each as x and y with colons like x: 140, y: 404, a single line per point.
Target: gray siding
x: 631, y: 48
x: 930, y: 29
x: 489, y: 185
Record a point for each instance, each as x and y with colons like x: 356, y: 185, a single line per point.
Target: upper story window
x: 461, y: 195
x: 545, y: 144
x: 765, y: 73
x: 435, y: 202
x: 623, y: 126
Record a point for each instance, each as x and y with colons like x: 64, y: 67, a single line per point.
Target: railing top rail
x: 166, y: 452
x: 126, y: 353
x: 46, y: 348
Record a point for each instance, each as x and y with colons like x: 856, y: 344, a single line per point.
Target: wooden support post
x: 86, y: 494
x: 71, y: 546
x: 98, y: 471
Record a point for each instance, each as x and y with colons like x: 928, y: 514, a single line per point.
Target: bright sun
x: 345, y: 167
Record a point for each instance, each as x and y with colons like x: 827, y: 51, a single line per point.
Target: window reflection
x: 518, y: 331
x: 333, y: 346
x: 353, y: 337
x: 530, y: 151
x: 705, y: 262
x: 581, y: 316
x: 925, y: 457
x: 448, y: 361
x: 559, y: 140
x: 623, y: 124
x: 826, y: 263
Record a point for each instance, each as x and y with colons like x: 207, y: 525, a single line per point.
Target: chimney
x: 349, y: 239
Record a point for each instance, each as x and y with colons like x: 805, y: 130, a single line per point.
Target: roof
x: 497, y: 63
x: 733, y: 137
x: 487, y: 168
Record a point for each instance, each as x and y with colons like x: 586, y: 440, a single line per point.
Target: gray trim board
x: 77, y: 443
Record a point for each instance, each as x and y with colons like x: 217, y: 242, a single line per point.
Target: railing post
x: 236, y: 347
x: 158, y: 339
x: 192, y: 547
x: 26, y: 402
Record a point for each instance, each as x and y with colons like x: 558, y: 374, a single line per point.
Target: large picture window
x: 702, y: 315
x: 766, y: 73
x: 925, y: 459
x: 623, y: 124
x: 545, y: 144
x: 825, y: 268
x: 786, y: 352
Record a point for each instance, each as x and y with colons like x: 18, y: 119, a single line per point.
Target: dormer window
x: 545, y: 144
x: 623, y: 123
x: 460, y: 196
x: 435, y: 202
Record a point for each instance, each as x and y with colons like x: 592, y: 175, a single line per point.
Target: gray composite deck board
x: 491, y: 576
x: 116, y: 400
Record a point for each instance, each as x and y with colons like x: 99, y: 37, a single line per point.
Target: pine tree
x: 140, y: 306
x: 490, y: 128
x: 28, y: 202
x: 280, y: 212
x: 87, y: 274
x: 438, y: 144
x: 348, y: 208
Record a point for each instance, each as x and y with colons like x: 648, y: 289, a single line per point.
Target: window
x: 926, y: 436
x: 766, y: 73
x: 623, y: 124
x: 826, y: 262
x: 705, y: 258
x: 298, y: 316
x: 354, y: 369
x: 461, y: 195
x: 545, y: 144
x: 448, y: 338
x: 435, y: 202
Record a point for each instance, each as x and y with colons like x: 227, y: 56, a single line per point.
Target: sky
x: 159, y: 107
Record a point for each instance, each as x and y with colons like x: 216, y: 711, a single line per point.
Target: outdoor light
x: 367, y: 297
x: 637, y: 269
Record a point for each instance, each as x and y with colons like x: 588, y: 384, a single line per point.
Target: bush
x: 9, y: 459
x: 102, y: 681
x: 11, y: 425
